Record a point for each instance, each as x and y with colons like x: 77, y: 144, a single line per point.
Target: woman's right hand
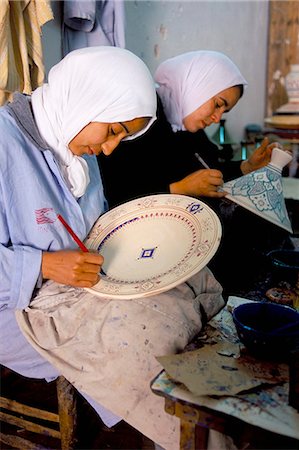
x: 204, y: 183
x: 72, y: 267
x: 260, y: 157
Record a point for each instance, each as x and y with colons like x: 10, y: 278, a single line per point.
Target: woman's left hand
x: 260, y: 157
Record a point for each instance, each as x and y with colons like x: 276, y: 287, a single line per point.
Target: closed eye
x: 221, y: 104
x: 118, y: 128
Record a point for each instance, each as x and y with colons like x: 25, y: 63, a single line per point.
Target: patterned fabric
x: 21, y: 62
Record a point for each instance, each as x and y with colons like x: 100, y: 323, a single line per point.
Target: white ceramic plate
x: 152, y: 244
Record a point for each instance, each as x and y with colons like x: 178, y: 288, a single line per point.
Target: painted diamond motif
x: 147, y: 252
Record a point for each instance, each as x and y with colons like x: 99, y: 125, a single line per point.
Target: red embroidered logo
x: 45, y: 215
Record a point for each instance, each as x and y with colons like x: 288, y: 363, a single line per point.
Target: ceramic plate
x: 152, y: 244
x: 283, y: 121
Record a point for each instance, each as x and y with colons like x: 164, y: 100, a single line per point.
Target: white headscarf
x: 187, y: 81
x: 94, y: 84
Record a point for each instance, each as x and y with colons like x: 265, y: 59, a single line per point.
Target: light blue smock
x: 32, y: 193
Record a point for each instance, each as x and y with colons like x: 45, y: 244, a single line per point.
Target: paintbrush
x: 75, y: 237
x: 202, y: 161
x: 72, y: 233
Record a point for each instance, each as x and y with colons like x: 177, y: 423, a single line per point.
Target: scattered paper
x: 220, y: 369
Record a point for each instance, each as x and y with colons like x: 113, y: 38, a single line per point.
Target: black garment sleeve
x: 150, y: 163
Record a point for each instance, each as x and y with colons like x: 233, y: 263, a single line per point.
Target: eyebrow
x: 123, y: 125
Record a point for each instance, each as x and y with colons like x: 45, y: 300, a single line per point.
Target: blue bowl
x: 267, y: 329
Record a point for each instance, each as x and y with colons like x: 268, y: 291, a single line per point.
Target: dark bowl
x: 284, y: 265
x: 260, y: 328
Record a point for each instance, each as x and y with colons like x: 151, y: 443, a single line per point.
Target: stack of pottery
x: 292, y: 88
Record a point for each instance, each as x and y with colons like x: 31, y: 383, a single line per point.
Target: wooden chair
x: 46, y: 424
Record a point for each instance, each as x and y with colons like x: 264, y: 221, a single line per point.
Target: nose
x: 110, y: 145
x: 216, y: 116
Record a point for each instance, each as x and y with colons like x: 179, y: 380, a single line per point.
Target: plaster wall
x: 156, y: 30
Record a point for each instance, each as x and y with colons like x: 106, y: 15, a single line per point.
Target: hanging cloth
x: 21, y: 62
x: 89, y: 23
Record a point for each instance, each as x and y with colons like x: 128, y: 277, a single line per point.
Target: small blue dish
x: 267, y: 329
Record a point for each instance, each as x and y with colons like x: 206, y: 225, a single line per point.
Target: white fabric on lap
x: 106, y: 348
